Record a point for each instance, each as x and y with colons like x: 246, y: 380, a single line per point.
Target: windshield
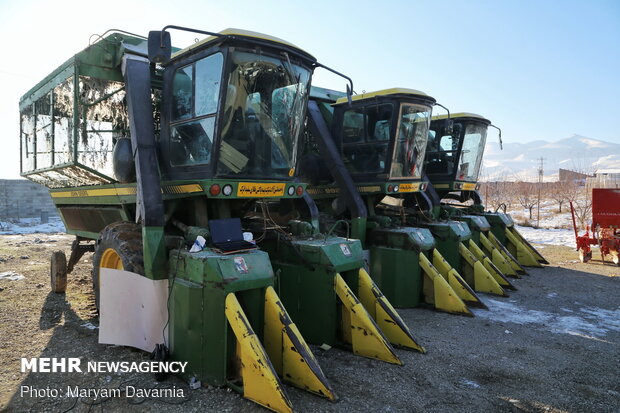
x: 411, y: 141
x: 263, y: 116
x: 471, y: 154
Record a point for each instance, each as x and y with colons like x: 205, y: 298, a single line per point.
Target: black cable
x: 174, y: 277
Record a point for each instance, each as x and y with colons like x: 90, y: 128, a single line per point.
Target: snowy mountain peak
x: 520, y: 161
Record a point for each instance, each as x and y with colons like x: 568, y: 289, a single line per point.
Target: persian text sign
x: 409, y: 187
x: 259, y: 190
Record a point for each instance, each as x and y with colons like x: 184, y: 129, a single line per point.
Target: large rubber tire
x: 58, y: 272
x: 119, y: 247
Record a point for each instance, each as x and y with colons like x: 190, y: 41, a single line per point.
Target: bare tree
x: 580, y: 196
x: 497, y: 194
x: 527, y: 195
x: 556, y: 192
x: 583, y: 166
x: 583, y: 209
x: 572, y: 191
x: 507, y: 193
x: 488, y: 190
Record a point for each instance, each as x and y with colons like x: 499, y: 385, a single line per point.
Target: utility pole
x: 540, y: 181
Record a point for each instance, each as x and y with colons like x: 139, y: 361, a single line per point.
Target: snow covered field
x: 32, y: 226
x: 581, y: 321
x: 565, y: 237
x: 549, y: 215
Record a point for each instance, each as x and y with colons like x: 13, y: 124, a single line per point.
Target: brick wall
x: 20, y: 198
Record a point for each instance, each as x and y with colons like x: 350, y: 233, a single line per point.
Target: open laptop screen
x: 225, y: 230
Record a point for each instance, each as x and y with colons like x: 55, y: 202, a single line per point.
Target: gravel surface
x: 552, y: 346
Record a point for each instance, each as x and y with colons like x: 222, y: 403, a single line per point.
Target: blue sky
x: 538, y: 69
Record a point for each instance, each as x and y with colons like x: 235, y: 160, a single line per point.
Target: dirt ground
x: 552, y: 346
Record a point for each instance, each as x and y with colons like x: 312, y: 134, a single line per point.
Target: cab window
x: 195, y: 98
x: 366, y: 136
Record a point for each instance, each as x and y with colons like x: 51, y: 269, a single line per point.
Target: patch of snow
x: 470, y: 383
x: 550, y: 236
x: 593, y: 143
x: 11, y: 275
x: 552, y: 295
x: 89, y: 325
x: 611, y: 316
x: 575, y: 325
x: 588, y: 322
x: 32, y: 226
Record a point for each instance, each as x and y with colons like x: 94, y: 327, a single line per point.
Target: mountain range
x: 520, y: 161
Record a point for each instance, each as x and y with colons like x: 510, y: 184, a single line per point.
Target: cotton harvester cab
x: 184, y: 144
x: 364, y: 161
x: 453, y: 161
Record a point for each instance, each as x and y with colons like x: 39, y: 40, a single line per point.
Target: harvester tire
x: 119, y: 247
x: 58, y: 272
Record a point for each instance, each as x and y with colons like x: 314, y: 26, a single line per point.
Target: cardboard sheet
x: 133, y: 310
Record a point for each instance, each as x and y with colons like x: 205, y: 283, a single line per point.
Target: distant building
x: 605, y: 178
x: 568, y: 175
x: 608, y: 173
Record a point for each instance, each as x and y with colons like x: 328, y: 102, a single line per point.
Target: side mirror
x: 501, y: 145
x: 160, y: 46
x: 349, y: 94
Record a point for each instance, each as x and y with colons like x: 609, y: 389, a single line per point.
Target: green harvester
x: 453, y: 160
x: 364, y: 159
x: 149, y: 151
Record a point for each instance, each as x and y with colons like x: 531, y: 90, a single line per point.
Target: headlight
x: 227, y: 190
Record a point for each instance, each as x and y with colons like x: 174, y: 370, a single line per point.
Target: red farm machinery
x: 604, y: 230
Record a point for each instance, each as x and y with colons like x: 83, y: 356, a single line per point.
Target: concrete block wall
x: 21, y: 198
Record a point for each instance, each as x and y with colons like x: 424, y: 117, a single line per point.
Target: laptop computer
x: 227, y: 235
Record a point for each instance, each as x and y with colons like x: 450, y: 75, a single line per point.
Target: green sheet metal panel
x: 199, y: 331
x: 394, y: 262
x: 310, y: 299
x: 477, y: 224
x: 186, y: 330
x: 447, y: 236
x: 398, y: 275
x: 306, y: 285
x: 499, y: 222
